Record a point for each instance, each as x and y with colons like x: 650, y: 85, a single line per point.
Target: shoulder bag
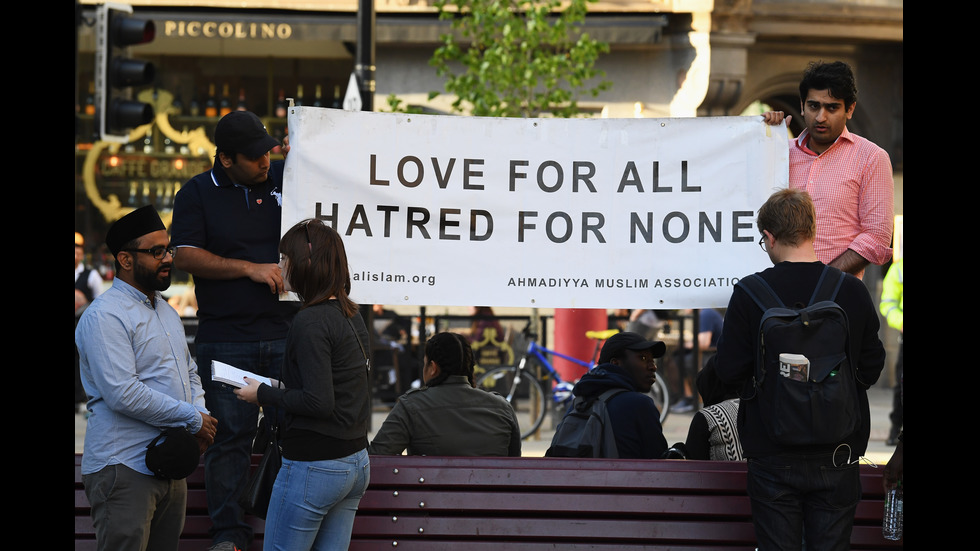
x: 258, y: 490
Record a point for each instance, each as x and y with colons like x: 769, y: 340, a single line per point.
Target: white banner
x: 549, y: 213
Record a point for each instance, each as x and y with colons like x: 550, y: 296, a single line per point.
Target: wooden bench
x: 477, y: 504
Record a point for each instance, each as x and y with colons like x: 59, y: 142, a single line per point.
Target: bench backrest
x: 443, y: 503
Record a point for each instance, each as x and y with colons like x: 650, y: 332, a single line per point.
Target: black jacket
x: 634, y: 416
x: 326, y: 397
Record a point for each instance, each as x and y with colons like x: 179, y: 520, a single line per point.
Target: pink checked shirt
x: 853, y: 192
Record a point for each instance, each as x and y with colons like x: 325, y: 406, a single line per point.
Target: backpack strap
x: 610, y: 446
x: 763, y: 295
x: 828, y: 285
x: 760, y: 292
x: 608, y: 395
x: 605, y: 396
x: 765, y: 298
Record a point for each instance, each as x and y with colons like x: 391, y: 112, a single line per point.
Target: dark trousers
x: 226, y: 462
x: 132, y: 511
x: 803, y: 497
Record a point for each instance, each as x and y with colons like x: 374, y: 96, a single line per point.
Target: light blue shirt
x: 139, y: 376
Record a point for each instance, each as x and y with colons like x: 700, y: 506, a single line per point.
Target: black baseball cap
x: 629, y: 341
x: 243, y: 132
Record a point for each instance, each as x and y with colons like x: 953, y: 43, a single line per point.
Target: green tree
x: 518, y: 58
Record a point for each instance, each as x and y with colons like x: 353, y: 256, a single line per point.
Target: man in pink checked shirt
x: 848, y: 177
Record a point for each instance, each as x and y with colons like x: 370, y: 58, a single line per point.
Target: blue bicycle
x: 529, y: 384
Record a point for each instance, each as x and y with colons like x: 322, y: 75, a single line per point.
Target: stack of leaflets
x: 231, y: 375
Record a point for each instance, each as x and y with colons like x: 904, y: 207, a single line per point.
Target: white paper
x: 231, y: 375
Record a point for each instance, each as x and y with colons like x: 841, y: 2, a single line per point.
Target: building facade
x: 670, y: 58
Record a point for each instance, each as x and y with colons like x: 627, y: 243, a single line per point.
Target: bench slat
x: 450, y: 545
x: 556, y: 530
x: 566, y: 480
x: 542, y: 504
x: 185, y: 544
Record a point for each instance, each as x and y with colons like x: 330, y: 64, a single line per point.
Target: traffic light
x: 116, y: 74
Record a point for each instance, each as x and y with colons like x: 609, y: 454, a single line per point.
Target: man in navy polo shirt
x: 226, y: 223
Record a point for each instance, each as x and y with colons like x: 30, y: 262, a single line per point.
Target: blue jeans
x: 226, y: 462
x: 797, y: 497
x: 314, y: 502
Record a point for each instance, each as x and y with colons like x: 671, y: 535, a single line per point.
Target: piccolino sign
x: 269, y: 30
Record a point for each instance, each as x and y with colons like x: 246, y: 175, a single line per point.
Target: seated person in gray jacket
x: 448, y: 415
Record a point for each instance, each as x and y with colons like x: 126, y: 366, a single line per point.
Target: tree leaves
x: 518, y: 58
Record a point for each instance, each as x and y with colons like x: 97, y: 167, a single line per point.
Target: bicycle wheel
x: 524, y: 394
x: 661, y: 397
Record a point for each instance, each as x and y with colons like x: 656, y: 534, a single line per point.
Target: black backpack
x: 585, y: 430
x: 822, y: 408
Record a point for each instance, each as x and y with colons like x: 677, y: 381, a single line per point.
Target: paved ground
x: 675, y: 428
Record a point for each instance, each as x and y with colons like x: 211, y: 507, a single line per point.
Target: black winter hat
x: 137, y: 223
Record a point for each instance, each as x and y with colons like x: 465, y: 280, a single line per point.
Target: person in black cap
x: 138, y: 372
x: 627, y: 360
x: 226, y: 225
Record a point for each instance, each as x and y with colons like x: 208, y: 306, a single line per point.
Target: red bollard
x: 570, y: 327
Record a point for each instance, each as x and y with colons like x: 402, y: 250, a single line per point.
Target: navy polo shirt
x: 232, y: 221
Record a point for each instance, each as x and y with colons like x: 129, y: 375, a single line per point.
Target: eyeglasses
x: 762, y: 243
x: 157, y: 252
